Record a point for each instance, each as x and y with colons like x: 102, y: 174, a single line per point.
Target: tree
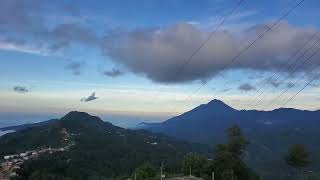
x: 228, y: 164
x: 298, y: 157
x: 194, y: 163
x: 145, y: 172
x: 237, y: 142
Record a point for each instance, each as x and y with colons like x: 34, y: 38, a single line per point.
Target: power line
x: 316, y: 77
x: 253, y: 98
x: 180, y: 69
x: 248, y: 47
x: 305, y: 74
x: 293, y: 70
x: 211, y: 35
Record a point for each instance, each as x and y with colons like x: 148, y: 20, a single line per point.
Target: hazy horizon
x: 131, y: 61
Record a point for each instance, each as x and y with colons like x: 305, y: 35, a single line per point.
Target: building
x: 23, y: 154
x: 7, y: 157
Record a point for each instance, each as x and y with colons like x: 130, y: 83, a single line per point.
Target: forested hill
x: 99, y: 149
x: 270, y: 132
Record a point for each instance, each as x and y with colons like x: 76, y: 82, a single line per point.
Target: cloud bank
x: 158, y: 54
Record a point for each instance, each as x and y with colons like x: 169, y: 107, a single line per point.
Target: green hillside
x: 98, y: 149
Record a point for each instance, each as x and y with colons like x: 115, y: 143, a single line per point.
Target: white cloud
x: 22, y: 48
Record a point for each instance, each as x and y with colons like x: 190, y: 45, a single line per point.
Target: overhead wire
x: 278, y: 71
x: 244, y: 50
x: 290, y: 70
x: 302, y: 77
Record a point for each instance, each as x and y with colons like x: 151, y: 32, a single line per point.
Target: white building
x: 7, y: 157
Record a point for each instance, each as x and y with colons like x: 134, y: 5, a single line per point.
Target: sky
x: 126, y: 60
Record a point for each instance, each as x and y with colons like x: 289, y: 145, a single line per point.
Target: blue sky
x: 55, y: 55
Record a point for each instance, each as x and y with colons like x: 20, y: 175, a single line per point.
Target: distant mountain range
x: 100, y: 149
x: 208, y: 122
x: 29, y: 125
x: 270, y: 132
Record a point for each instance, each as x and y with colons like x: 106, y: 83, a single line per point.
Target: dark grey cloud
x: 276, y: 83
x: 159, y: 53
x: 90, y: 98
x: 273, y: 82
x: 20, y: 89
x: 76, y: 67
x: 246, y: 87
x: 113, y: 72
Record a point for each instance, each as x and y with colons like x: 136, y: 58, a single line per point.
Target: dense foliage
x: 104, y: 151
x: 145, y: 172
x: 101, y: 150
x: 194, y: 164
x: 298, y: 156
x: 227, y: 163
x: 29, y: 139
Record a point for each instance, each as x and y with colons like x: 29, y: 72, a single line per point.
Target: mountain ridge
x: 276, y: 130
x: 216, y: 104
x: 96, y: 148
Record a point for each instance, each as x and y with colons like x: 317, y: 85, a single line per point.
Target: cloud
x: 20, y: 15
x: 155, y: 53
x: 273, y: 82
x: 276, y: 83
x: 22, y: 21
x: 246, y: 87
x: 290, y: 85
x: 113, y: 73
x: 90, y: 98
x: 57, y: 46
x: 74, y: 33
x: 235, y: 24
x: 20, y: 89
x: 159, y: 53
x: 76, y: 67
x: 20, y: 47
x: 225, y: 90
x: 27, y: 22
